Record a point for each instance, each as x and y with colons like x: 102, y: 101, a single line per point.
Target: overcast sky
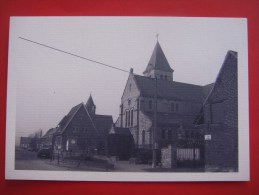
x: 49, y: 83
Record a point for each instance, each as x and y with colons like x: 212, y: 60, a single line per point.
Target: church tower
x: 90, y: 106
x: 158, y: 65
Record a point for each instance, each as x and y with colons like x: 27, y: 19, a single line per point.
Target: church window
x: 131, y: 116
x: 143, y: 137
x: 126, y: 119
x: 150, y: 104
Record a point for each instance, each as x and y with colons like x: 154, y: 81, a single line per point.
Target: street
x: 27, y: 160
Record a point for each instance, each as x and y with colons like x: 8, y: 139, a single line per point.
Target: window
x: 143, y: 137
x: 172, y: 107
x: 150, y: 104
x: 161, y: 77
x: 131, y: 116
x: 126, y: 119
x: 165, y: 77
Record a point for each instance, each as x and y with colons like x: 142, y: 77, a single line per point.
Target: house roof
x: 64, y: 121
x: 119, y: 130
x: 158, y: 60
x: 50, y: 132
x: 122, y: 131
x: 103, y: 123
x: 67, y: 119
x: 170, y: 89
x: 230, y: 60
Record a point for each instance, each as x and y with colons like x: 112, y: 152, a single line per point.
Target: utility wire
x: 84, y: 58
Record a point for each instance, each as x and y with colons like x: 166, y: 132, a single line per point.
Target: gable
x: 81, y: 121
x: 131, y: 89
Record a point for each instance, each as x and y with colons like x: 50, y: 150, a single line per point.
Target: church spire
x: 158, y: 65
x: 90, y: 106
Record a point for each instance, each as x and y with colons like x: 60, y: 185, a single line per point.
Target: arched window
x: 126, y: 118
x: 143, y: 137
x: 131, y: 117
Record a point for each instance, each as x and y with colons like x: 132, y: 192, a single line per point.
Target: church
x: 194, y: 122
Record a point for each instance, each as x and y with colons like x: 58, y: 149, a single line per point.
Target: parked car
x: 44, y: 153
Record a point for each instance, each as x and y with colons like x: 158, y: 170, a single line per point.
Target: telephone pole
x: 155, y: 145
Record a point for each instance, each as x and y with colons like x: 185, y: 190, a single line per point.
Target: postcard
x: 127, y: 99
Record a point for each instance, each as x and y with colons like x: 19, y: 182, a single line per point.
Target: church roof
x: 158, y: 60
x: 171, y: 89
x: 90, y: 103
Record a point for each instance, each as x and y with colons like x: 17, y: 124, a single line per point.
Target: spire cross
x: 157, y: 35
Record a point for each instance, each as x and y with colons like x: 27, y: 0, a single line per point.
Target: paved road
x: 27, y: 160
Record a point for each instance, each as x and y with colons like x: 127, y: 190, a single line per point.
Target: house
x: 161, y: 112
x: 82, y: 131
x: 46, y: 140
x: 25, y: 142
x: 219, y: 118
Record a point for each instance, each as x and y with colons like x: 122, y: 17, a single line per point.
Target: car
x: 44, y: 153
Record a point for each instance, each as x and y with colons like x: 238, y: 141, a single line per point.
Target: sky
x: 49, y: 83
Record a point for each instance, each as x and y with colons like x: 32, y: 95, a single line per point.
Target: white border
x: 243, y: 137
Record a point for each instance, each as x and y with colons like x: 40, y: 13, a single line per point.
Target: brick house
x: 219, y: 118
x: 184, y: 112
x: 82, y: 131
